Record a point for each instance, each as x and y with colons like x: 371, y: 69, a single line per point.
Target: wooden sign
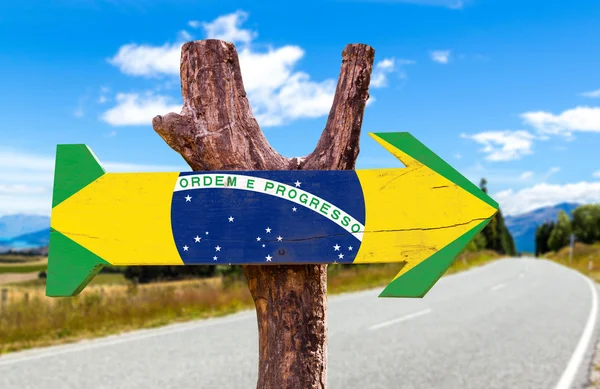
x: 422, y: 215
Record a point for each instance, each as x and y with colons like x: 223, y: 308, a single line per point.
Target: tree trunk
x: 217, y: 131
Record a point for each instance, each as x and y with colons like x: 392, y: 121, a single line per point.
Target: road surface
x: 515, y: 323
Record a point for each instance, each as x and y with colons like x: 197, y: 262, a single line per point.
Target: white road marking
x: 118, y: 339
x: 496, y: 287
x: 566, y: 380
x: 400, y: 319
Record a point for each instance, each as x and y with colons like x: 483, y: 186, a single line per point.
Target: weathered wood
x: 217, y: 131
x: 283, y: 217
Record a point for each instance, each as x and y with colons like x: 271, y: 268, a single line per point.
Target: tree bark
x: 217, y: 131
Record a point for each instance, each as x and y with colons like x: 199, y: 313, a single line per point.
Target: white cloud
x: 20, y: 189
x: 542, y: 195
x: 440, y: 56
x: 277, y: 91
x: 134, y: 110
x: 503, y: 145
x: 526, y: 175
x: 565, y: 123
x: 501, y: 176
x: 594, y: 93
x: 194, y: 23
x: 79, y: 111
x: 184, y: 35
x: 26, y: 180
x: 596, y: 174
x: 227, y: 28
x: 298, y: 97
x: 11, y: 160
x: 381, y: 71
x: 147, y: 60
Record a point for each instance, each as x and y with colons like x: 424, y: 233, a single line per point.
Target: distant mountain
x: 522, y: 227
x: 12, y: 226
x: 33, y: 239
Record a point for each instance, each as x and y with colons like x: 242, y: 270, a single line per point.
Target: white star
x: 297, y: 183
x: 268, y: 257
x: 197, y: 239
x: 268, y: 230
x: 341, y: 256
x: 279, y: 238
x: 230, y: 219
x: 264, y: 245
x: 206, y: 232
x: 185, y: 248
x: 215, y: 258
x: 188, y: 198
x: 218, y: 248
x: 350, y: 248
x: 294, y: 209
x: 258, y: 239
x: 336, y: 247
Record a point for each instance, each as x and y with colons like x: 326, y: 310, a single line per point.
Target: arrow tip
x: 418, y: 280
x: 409, y: 149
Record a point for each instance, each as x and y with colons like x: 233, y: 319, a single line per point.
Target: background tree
x: 559, y: 237
x: 144, y: 274
x: 496, y: 235
x: 542, y: 235
x: 586, y: 223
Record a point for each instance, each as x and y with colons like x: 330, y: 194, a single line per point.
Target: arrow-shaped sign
x: 422, y: 215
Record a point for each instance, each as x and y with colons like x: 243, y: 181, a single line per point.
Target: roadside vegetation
x: 553, y: 240
x: 586, y: 258
x: 112, y: 303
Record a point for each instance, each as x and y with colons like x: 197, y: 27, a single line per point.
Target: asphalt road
x: 516, y: 323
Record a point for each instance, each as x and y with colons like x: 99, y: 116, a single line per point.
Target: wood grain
x: 217, y: 131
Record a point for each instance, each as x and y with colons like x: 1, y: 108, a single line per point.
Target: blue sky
x: 507, y: 90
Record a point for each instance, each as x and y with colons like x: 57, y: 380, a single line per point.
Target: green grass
x: 15, y: 258
x: 100, y: 279
x: 109, y: 306
x: 22, y: 268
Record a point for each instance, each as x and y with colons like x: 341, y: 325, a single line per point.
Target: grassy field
x: 110, y: 305
x: 19, y: 268
x: 22, y: 264
x: 586, y: 258
x: 100, y: 279
x: 7, y: 259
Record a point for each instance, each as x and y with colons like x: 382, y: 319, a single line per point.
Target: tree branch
x: 338, y: 146
x: 217, y: 131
